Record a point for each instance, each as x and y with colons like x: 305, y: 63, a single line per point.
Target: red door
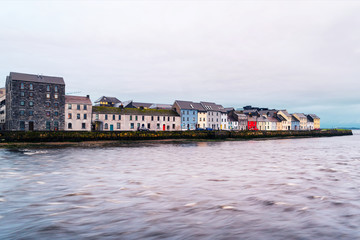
x: 163, y: 127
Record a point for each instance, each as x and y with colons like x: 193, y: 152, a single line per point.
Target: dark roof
x: 133, y: 111
x: 199, y: 107
x: 188, y: 105
x: 161, y: 106
x: 77, y: 99
x: 273, y: 119
x: 294, y: 119
x: 210, y: 106
x: 139, y: 104
x: 108, y: 99
x: 313, y: 116
x: 300, y: 115
x: 36, y: 78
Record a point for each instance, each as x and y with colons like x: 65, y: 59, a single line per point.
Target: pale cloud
x: 285, y: 54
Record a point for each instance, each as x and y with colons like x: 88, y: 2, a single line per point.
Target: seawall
x: 62, y: 136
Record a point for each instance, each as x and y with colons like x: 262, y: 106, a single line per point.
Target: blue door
x: 111, y: 127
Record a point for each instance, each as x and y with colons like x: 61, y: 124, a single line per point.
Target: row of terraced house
x: 32, y: 102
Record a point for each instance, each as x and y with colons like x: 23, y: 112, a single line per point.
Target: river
x: 305, y: 188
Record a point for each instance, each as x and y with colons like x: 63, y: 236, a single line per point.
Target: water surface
x: 267, y: 189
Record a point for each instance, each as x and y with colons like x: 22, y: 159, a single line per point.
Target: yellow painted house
x: 285, y: 118
x: 315, y: 119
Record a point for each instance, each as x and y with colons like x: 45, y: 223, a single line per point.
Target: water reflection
x: 273, y: 189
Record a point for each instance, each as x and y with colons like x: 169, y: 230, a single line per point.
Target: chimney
x: 87, y: 96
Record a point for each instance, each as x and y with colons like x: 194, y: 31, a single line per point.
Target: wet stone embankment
x: 62, y: 136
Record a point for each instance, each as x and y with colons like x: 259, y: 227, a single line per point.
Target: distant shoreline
x: 94, y: 139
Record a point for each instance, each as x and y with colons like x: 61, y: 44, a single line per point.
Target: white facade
x: 78, y: 113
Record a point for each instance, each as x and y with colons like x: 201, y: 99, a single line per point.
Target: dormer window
x: 31, y: 86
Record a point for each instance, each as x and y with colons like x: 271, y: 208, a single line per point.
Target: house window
x: 83, y: 125
x: 48, y: 88
x: 48, y: 114
x: 167, y: 127
x: 85, y: 107
x: 173, y: 126
x: 158, y: 126
x: 31, y: 94
x: 183, y: 119
x: 47, y: 104
x: 106, y: 117
x: 188, y: 118
x: 136, y: 118
x: 22, y: 112
x: 48, y: 125
x: 56, y: 125
x: 158, y: 118
x: 31, y: 86
x: 130, y: 118
x: 22, y: 103
x: 78, y: 116
x: 56, y: 88
x: 22, y: 125
x: 152, y: 118
x: 131, y: 125
x: 31, y: 113
x: 22, y: 94
x: 119, y: 117
x: 69, y: 106
x: 143, y: 118
x: 97, y: 116
x: 85, y: 116
x: 48, y: 95
x: 56, y: 114
x: 56, y: 96
x: 22, y: 86
x: 174, y: 119
x: 78, y: 107
x: 106, y: 126
x: 69, y: 125
x: 164, y: 118
x: 113, y: 117
x: 148, y: 125
x: 118, y: 125
x: 56, y: 105
x: 69, y: 116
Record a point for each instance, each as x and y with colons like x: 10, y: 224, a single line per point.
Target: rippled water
x: 270, y: 189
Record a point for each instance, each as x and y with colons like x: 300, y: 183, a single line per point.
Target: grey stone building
x: 34, y: 102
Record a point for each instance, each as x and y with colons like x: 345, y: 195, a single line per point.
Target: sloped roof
x: 199, y: 107
x: 273, y: 119
x: 300, y: 115
x: 108, y: 99
x: 313, y: 116
x: 188, y: 105
x: 140, y: 104
x: 210, y: 106
x: 294, y: 119
x: 77, y: 99
x: 133, y: 111
x: 160, y: 106
x: 286, y: 113
x: 36, y: 78
x: 262, y: 119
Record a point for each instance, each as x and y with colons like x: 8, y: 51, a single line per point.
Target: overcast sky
x: 300, y: 55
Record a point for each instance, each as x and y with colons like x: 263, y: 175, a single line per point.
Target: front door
x: 111, y: 127
x: 163, y: 127
x: 31, y: 126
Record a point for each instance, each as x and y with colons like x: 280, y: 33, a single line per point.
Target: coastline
x: 99, y: 139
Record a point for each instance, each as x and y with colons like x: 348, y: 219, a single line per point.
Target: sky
x: 303, y: 56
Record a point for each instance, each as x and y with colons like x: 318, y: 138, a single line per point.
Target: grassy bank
x: 62, y: 136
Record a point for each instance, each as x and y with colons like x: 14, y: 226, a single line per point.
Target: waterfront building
x: 233, y: 122
x: 202, y: 116
x: 2, y: 108
x: 315, y: 119
x: 285, y: 118
x: 242, y: 119
x: 275, y: 123
x: 263, y: 123
x: 252, y: 123
x: 78, y: 113
x: 133, y: 119
x: 140, y: 105
x: 213, y: 115
x: 302, y: 119
x: 188, y: 113
x: 107, y: 101
x: 224, y: 118
x: 295, y: 123
x: 34, y: 102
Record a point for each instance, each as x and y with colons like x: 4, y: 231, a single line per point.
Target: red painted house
x: 252, y: 123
